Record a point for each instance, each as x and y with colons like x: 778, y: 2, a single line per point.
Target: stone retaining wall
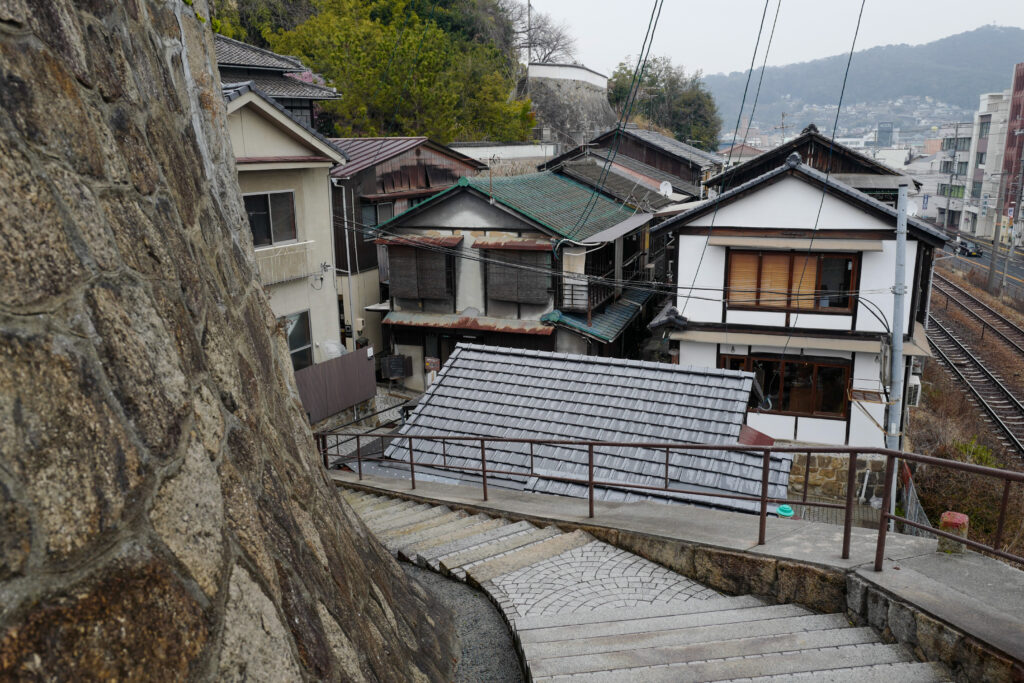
x: 828, y: 475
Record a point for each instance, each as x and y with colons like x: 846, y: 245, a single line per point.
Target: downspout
x: 348, y: 266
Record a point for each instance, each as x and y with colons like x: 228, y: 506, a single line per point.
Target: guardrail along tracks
x: 989, y: 318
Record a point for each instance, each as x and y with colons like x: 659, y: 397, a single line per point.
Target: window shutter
x: 431, y: 274
x: 805, y: 276
x: 742, y: 277
x: 534, y: 284
x: 402, y: 276
x: 502, y: 283
x: 774, y: 280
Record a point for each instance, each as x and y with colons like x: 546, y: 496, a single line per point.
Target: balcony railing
x: 336, y: 450
x: 291, y: 261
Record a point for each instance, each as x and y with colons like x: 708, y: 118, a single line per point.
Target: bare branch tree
x: 537, y: 36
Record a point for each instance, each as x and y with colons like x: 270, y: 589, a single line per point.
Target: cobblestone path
x: 580, y: 609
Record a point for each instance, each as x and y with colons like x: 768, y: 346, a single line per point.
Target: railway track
x: 1000, y: 407
x: 990, y: 319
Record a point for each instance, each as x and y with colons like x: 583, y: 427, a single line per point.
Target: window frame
x: 283, y: 320
x: 790, y: 307
x: 816, y: 361
x: 270, y: 215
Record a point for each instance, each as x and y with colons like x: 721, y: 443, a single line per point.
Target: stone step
x: 406, y: 518
x: 627, y: 626
x: 900, y: 672
x: 382, y: 515
x: 456, y: 562
x: 683, y: 636
x: 432, y: 534
x: 819, y: 660
x: 556, y: 545
x: 385, y: 507
x: 701, y: 652
x: 362, y: 502
x: 430, y: 554
x: 412, y: 550
x: 596, y: 616
x: 398, y: 535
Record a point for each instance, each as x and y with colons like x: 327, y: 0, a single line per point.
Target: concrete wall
x: 252, y: 135
x: 365, y: 292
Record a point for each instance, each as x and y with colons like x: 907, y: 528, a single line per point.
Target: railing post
x: 444, y: 453
x: 883, y: 520
x: 359, y: 457
x: 321, y: 445
x: 851, y: 485
x: 412, y: 464
x: 764, y: 497
x: 1002, y: 515
x: 590, y: 477
x: 807, y: 474
x: 666, y: 469
x: 483, y: 466
x: 531, y: 458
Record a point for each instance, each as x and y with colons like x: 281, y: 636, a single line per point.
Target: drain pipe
x: 348, y: 263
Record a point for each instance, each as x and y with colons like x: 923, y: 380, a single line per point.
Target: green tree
x: 669, y: 97
x: 399, y: 73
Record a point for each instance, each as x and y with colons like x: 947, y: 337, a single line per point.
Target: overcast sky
x: 719, y: 36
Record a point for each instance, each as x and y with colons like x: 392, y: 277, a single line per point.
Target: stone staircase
x: 582, y: 609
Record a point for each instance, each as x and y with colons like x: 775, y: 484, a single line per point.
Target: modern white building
x: 985, y: 165
x: 952, y: 189
x: 789, y: 275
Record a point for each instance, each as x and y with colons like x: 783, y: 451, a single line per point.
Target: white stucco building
x: 789, y: 275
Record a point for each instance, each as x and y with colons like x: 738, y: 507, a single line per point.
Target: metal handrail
x: 590, y: 482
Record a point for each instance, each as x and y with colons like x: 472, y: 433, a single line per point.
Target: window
x: 957, y: 191
x: 300, y: 340
x: 791, y: 281
x: 979, y: 159
x: 521, y: 280
x: 271, y: 217
x: 984, y: 128
x: 797, y: 386
x: 959, y: 144
x: 961, y: 168
x: 373, y: 215
x: 976, y: 189
x: 420, y: 273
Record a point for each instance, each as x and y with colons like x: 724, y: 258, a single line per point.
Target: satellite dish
x: 911, y: 208
x: 666, y: 189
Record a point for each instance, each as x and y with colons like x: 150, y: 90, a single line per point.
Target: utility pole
x: 990, y: 285
x: 894, y: 418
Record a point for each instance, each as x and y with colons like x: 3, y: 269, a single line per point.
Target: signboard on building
x: 432, y: 364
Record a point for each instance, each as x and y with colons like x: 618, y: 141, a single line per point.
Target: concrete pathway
x: 581, y: 609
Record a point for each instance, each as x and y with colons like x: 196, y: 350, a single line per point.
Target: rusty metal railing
x: 891, y: 456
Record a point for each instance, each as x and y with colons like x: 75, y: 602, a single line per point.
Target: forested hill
x: 954, y: 70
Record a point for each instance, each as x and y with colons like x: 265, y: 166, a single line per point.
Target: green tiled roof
x: 607, y: 325
x: 554, y: 201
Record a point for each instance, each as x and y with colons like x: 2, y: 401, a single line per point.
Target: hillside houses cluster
x: 632, y: 246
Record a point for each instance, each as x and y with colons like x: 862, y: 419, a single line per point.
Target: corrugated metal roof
x: 366, y: 152
x: 589, y: 172
x: 421, y: 240
x: 607, y: 325
x: 514, y: 393
x: 454, y: 321
x: 236, y: 53
x: 280, y: 85
x: 555, y: 202
x: 678, y: 184
x: 675, y: 147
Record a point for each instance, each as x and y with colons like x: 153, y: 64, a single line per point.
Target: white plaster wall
x: 817, y: 430
x: 775, y: 426
x: 818, y: 321
x: 878, y: 272
x: 706, y: 304
x: 254, y: 136
x: 416, y: 380
x: 792, y: 203
x: 568, y: 72
x: 698, y: 354
x: 772, y: 318
x: 365, y: 291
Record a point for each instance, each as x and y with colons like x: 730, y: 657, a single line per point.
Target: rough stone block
x: 814, y: 587
x: 954, y: 523
x: 856, y: 596
x: 902, y: 624
x: 735, y: 573
x: 877, y: 610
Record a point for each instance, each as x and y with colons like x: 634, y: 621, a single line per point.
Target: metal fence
x: 891, y: 456
x: 337, y: 384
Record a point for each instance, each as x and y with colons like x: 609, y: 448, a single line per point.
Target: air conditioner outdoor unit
x: 913, y: 395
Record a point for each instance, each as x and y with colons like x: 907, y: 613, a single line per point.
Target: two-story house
x: 789, y: 276
x: 283, y: 172
x: 383, y: 178
x: 535, y: 261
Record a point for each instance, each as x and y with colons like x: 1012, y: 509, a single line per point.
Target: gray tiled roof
x: 281, y: 86
x: 590, y: 172
x: 673, y: 146
x: 232, y: 52
x: 513, y: 393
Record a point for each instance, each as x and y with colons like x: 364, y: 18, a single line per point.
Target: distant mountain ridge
x: 954, y: 70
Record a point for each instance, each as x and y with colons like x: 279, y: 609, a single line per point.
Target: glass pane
x: 259, y: 219
x: 774, y: 289
x: 369, y: 213
x: 831, y: 389
x: 835, y: 282
x: 742, y: 278
x: 798, y: 387
x: 385, y: 212
x: 282, y: 213
x: 296, y: 329
x: 766, y: 372
x: 805, y: 274
x: 302, y: 359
